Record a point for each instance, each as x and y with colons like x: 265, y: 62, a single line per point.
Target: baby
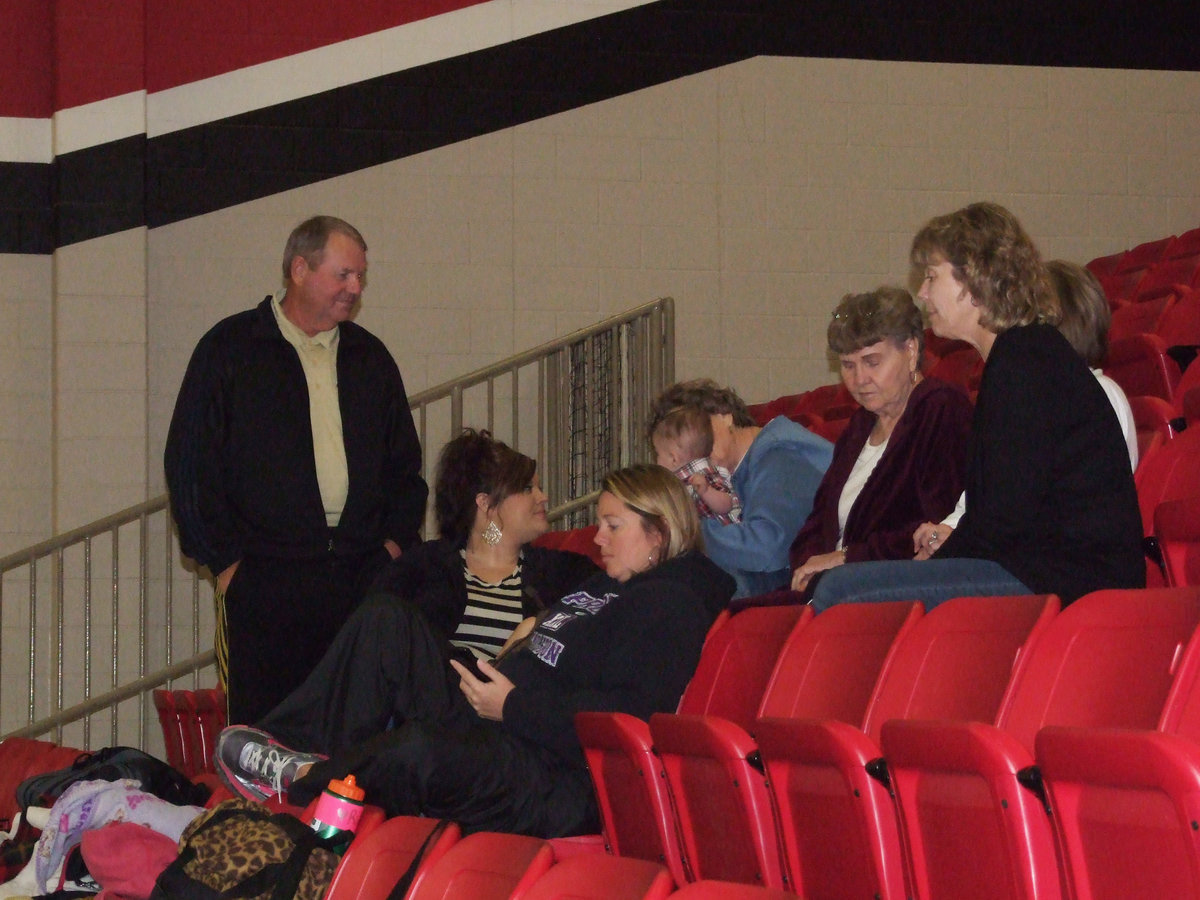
x: 682, y: 442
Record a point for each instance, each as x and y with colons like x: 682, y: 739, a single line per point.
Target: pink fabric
x: 125, y: 859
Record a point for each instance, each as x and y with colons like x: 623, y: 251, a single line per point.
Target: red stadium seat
x: 375, y: 862
x: 1177, y: 528
x: 191, y: 721
x: 1187, y: 244
x: 603, y: 878
x: 962, y: 367
x: 1144, y: 255
x: 726, y: 890
x: 1105, y: 265
x: 974, y: 820
x: 827, y: 670
x: 1188, y: 381
x: 836, y: 814
x: 1168, y: 473
x: 1139, y: 318
x: 578, y: 540
x: 1120, y: 286
x: 1141, y: 366
x: 734, y: 667
x: 1167, y: 275
x: 1180, y: 323
x: 1153, y: 418
x: 21, y: 758
x: 1125, y: 802
x: 485, y: 866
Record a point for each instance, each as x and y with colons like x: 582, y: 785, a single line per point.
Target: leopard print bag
x: 240, y: 850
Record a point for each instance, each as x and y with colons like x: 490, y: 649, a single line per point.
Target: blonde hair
x: 1085, y: 312
x: 662, y: 503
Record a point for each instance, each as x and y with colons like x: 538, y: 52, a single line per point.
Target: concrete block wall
x: 755, y: 194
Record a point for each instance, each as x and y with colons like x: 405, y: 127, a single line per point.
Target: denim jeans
x: 931, y: 581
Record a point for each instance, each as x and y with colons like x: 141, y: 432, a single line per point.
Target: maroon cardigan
x: 918, y: 479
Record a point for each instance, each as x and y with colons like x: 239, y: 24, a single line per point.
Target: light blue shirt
x: 776, y: 481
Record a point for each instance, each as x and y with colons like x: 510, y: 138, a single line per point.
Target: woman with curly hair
x: 1051, y: 505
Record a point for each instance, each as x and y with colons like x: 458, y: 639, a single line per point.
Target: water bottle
x: 338, y: 810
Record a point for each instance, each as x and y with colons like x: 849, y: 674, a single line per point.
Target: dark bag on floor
x: 240, y: 849
x: 113, y: 764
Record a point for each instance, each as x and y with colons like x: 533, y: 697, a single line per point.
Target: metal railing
x: 94, y: 620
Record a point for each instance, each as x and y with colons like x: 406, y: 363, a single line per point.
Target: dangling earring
x: 492, y: 534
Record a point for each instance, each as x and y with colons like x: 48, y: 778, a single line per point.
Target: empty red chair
x: 827, y: 670
x: 1180, y: 323
x: 1189, y: 405
x: 1141, y: 366
x: 1141, y: 317
x: 485, y: 866
x: 1105, y: 265
x: 1144, y: 255
x: 602, y: 878
x: 375, y: 862
x: 830, y: 429
x: 1120, y: 286
x: 1125, y: 802
x: 1177, y: 529
x: 577, y: 540
x: 1168, y: 473
x: 1153, y: 418
x: 836, y: 814
x: 191, y: 722
x: 1169, y: 274
x: 631, y: 791
x: 727, y: 890
x: 1188, y: 381
x: 974, y: 820
x: 1187, y: 244
x: 21, y: 758
x: 962, y: 367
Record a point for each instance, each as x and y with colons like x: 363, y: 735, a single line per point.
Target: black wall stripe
x: 134, y: 182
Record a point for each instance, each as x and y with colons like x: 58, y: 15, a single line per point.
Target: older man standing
x: 293, y: 466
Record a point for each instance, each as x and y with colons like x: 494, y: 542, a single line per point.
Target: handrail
x: 122, y: 576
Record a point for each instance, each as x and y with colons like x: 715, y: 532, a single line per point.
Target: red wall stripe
x: 188, y: 41
x: 55, y: 56
x: 99, y: 49
x: 27, y: 59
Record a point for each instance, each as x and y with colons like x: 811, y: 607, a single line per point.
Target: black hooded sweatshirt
x: 613, y: 646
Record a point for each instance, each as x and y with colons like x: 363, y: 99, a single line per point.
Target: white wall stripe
x: 476, y: 27
x: 100, y: 122
x: 26, y: 140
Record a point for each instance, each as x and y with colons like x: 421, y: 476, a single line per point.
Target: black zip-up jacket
x: 239, y: 455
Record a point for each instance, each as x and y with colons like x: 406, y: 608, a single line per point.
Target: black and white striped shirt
x: 493, y: 611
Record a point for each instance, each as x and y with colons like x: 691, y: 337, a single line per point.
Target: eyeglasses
x: 843, y: 316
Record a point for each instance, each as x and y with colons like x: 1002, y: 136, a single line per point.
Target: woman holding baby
x: 773, y: 472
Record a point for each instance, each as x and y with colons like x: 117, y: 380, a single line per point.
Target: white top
x: 1120, y: 405
x: 863, y: 467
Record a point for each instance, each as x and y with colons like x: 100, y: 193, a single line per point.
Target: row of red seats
x: 871, y: 771
x: 493, y: 866
x: 826, y: 410
x: 1143, y: 272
